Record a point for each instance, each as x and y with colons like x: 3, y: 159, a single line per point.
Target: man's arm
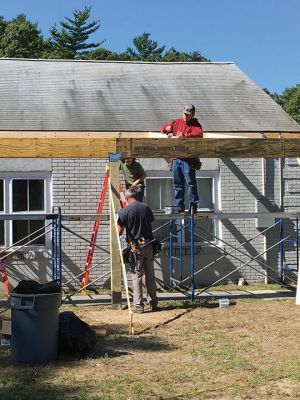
x: 120, y: 225
x: 120, y: 230
x: 142, y: 176
x: 196, y: 129
x: 167, y: 128
x: 150, y: 214
x: 139, y: 180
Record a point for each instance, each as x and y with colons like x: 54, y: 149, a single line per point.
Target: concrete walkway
x: 233, y: 294
x: 105, y: 300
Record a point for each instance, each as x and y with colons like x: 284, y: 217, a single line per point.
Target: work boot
x: 195, y: 209
x: 137, y: 310
x: 153, y: 306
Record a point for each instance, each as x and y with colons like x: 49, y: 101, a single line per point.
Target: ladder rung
x: 175, y: 258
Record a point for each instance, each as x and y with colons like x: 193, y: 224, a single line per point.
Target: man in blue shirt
x: 136, y: 218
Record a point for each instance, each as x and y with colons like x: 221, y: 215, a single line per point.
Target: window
x: 160, y: 193
x: 28, y: 196
x: 24, y: 193
x: 1, y: 211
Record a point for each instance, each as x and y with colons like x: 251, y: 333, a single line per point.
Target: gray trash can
x: 34, y: 325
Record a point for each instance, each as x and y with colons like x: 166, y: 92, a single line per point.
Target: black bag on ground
x: 75, y: 336
x: 33, y: 287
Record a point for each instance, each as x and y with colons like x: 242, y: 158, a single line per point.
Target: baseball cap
x: 189, y: 109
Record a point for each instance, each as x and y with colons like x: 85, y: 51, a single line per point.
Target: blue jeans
x: 183, y: 173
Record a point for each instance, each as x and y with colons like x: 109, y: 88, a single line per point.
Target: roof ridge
x: 115, y: 61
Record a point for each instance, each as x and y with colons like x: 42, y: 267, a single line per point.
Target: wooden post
x: 298, y: 290
x: 115, y: 261
x: 131, y: 330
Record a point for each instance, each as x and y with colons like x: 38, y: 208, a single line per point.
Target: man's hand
x: 168, y: 129
x: 179, y: 135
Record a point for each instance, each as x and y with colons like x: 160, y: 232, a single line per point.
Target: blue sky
x: 261, y: 36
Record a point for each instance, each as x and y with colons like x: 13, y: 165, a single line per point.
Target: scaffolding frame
x: 54, y: 225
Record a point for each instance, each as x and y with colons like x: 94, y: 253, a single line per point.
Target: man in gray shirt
x: 136, y: 218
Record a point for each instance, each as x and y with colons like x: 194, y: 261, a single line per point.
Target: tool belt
x: 140, y: 242
x: 194, y: 163
x: 133, y: 248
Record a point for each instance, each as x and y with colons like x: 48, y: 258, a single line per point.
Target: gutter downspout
x: 263, y: 176
x: 280, y: 185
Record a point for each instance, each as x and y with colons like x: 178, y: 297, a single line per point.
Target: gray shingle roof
x: 125, y: 96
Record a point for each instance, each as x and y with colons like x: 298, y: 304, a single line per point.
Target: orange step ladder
x: 4, y: 278
x: 89, y: 259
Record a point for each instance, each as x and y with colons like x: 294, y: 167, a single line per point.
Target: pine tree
x: 70, y: 40
x: 145, y: 49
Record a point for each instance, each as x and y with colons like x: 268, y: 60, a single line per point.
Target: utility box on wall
x: 265, y: 206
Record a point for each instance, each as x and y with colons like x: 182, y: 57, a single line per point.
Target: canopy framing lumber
x: 45, y: 144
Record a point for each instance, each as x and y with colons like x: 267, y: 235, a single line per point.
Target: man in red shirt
x: 183, y: 169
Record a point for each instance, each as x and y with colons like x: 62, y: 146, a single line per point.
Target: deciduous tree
x: 21, y: 38
x: 289, y: 100
x: 292, y: 102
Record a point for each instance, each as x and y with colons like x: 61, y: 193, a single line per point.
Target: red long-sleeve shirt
x: 189, y: 129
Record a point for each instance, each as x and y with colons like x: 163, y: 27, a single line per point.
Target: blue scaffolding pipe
x: 226, y: 253
x: 180, y: 250
x: 56, y: 250
x: 171, y: 254
x: 176, y: 230
x: 53, y: 246
x: 283, y: 266
x: 192, y: 255
x: 59, y: 269
x: 178, y: 235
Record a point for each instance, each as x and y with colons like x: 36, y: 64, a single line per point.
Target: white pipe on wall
x: 263, y: 176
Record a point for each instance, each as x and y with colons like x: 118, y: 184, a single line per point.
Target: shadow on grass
x: 108, y: 347
x: 36, y: 383
x: 189, y: 304
x: 46, y: 381
x: 118, y: 346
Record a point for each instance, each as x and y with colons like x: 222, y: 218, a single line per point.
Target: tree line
x: 21, y: 38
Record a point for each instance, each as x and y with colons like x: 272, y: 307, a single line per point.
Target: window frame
x: 216, y: 200
x: 8, y: 178
x: 3, y: 212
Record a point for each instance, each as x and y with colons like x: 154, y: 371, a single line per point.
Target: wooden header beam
x: 142, y: 144
x: 209, y: 148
